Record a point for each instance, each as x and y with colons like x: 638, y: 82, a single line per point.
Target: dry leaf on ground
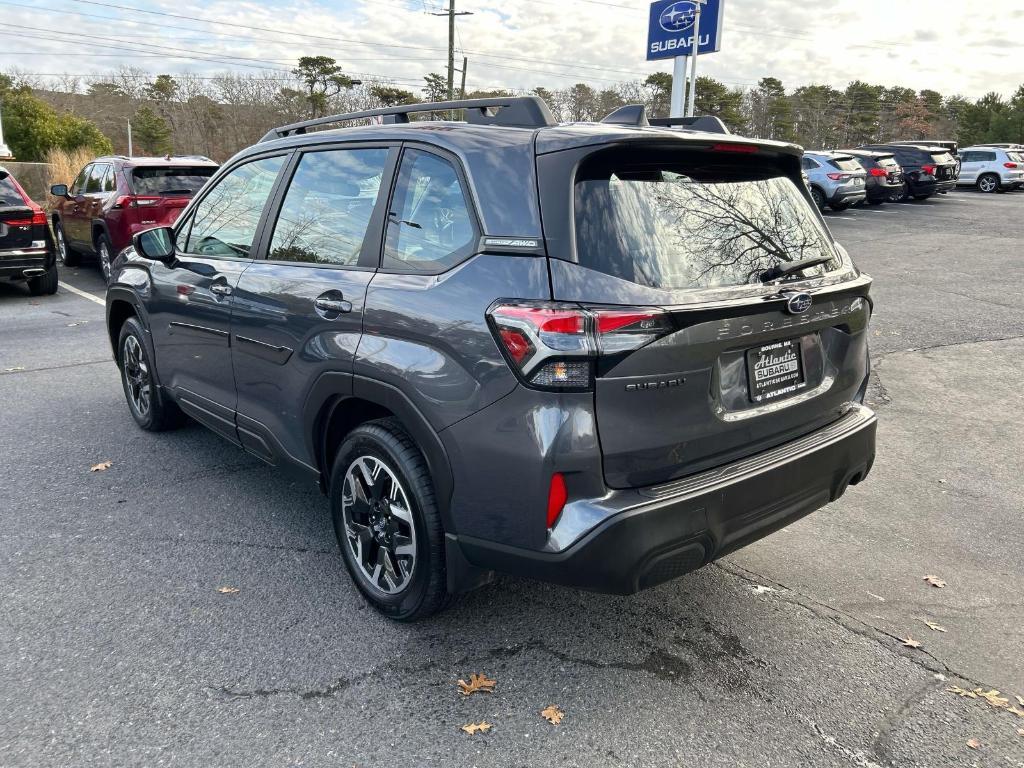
x: 933, y: 626
x: 1020, y: 700
x: 910, y: 642
x: 481, y: 727
x: 477, y: 682
x: 992, y: 697
x: 935, y: 581
x: 974, y: 743
x: 552, y: 714
x: 14, y: 369
x: 228, y: 590
x: 103, y: 466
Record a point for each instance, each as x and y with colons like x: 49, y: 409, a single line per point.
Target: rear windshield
x: 942, y: 158
x: 678, y: 227
x: 1015, y: 157
x: 8, y: 193
x: 170, y: 180
x: 845, y: 164
x: 886, y: 161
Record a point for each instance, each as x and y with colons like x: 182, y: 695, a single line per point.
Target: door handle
x: 220, y: 289
x: 333, y: 306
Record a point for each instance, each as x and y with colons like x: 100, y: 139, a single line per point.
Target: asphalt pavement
x: 118, y: 647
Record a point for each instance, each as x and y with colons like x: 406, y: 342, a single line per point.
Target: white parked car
x: 991, y: 169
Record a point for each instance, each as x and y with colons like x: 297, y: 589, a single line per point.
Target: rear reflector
x: 878, y: 172
x: 929, y: 169
x: 557, y: 496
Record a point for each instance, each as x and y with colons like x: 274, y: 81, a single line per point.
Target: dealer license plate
x: 775, y: 370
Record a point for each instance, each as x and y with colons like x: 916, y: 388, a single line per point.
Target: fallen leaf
x: 228, y: 590
x: 935, y: 581
x: 481, y: 727
x: 1020, y: 700
x: 552, y: 714
x: 759, y: 589
x: 910, y: 642
x: 994, y: 698
x: 477, y: 682
x: 14, y: 369
x: 962, y: 692
x: 933, y: 626
x: 103, y: 466
x: 974, y: 743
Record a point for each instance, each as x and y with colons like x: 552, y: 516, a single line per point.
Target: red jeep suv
x: 115, y: 197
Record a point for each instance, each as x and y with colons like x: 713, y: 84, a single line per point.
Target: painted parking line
x: 84, y: 294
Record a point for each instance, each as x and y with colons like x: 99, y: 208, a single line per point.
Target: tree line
x: 217, y: 116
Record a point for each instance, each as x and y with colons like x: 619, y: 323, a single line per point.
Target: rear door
x: 299, y: 312
x: 161, y: 192
x: 945, y: 166
x: 192, y: 300
x: 738, y: 365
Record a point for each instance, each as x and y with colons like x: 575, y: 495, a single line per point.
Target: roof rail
x: 631, y: 114
x: 511, y: 111
x: 706, y: 123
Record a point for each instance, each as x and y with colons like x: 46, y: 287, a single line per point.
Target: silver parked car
x: 992, y: 169
x: 837, y: 179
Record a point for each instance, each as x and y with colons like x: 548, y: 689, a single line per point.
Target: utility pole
x: 5, y: 152
x: 130, y: 152
x: 451, y: 14
x: 462, y: 90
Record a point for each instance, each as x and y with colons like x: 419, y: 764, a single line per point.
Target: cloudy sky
x: 525, y: 43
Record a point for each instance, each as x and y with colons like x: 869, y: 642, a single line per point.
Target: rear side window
x: 9, y: 194
x: 845, y: 164
x: 95, y: 181
x: 808, y: 164
x: 226, y: 220
x: 1015, y: 157
x: 692, y: 224
x: 184, y: 180
x: 327, y: 210
x: 430, y: 226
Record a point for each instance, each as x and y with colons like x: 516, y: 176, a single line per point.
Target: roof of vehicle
x: 832, y: 154
x: 874, y: 153
x: 166, y: 160
x: 930, y: 148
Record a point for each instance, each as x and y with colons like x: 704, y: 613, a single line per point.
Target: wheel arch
x: 338, y: 403
x: 97, y: 228
x: 122, y: 304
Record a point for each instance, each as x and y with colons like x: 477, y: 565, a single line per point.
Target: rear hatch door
x: 945, y: 166
x: 161, y: 192
x: 15, y: 215
x: 740, y: 365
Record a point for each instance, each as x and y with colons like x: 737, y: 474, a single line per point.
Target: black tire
x: 818, y: 197
x: 159, y: 413
x: 66, y: 255
x: 45, y: 284
x: 839, y: 206
x: 988, y: 182
x: 423, y: 590
x: 105, y: 256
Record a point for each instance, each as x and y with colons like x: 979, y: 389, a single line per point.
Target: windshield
x: 664, y: 229
x: 164, y: 180
x: 845, y: 164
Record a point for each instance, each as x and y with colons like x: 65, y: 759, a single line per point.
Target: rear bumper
x: 848, y: 195
x: 14, y: 262
x: 665, y: 531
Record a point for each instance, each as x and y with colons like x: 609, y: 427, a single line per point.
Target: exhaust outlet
x: 34, y: 272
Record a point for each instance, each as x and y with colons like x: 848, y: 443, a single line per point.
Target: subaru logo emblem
x: 798, y: 303
x: 678, y: 17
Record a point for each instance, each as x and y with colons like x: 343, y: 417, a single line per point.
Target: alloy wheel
x: 987, y: 184
x: 379, y: 528
x: 105, y: 260
x: 62, y: 248
x: 135, y: 370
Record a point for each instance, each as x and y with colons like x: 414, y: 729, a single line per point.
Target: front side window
x: 95, y: 182
x: 327, y: 209
x: 78, y: 185
x: 225, y: 221
x: 679, y: 225
x: 430, y: 227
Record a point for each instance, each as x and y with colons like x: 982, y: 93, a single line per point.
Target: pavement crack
x: 16, y: 371
x: 885, y: 355
x: 880, y: 746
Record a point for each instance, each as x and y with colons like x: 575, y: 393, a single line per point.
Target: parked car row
x: 901, y: 170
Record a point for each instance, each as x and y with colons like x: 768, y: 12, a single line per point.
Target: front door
x: 96, y: 193
x: 72, y: 210
x: 192, y: 299
x: 298, y: 313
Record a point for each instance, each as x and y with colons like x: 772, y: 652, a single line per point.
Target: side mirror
x: 155, y: 244
x: 59, y: 190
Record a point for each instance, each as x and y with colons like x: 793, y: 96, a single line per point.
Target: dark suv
x: 926, y: 170
x: 601, y: 355
x: 26, y: 250
x: 115, y: 197
x: 885, y: 176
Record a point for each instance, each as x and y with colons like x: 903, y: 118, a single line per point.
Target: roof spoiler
x: 706, y: 123
x: 512, y: 111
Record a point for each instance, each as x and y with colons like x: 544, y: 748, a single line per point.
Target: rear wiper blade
x: 792, y: 267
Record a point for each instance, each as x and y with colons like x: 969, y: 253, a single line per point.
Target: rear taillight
x: 554, y: 346
x: 1011, y: 165
x: 741, y: 148
x: 838, y: 176
x: 878, y: 172
x: 38, y: 218
x: 929, y: 169
x: 135, y: 201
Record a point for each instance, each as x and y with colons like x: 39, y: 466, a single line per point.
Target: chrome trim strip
x: 778, y: 405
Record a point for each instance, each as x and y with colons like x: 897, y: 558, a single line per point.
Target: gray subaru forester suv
x: 601, y: 355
